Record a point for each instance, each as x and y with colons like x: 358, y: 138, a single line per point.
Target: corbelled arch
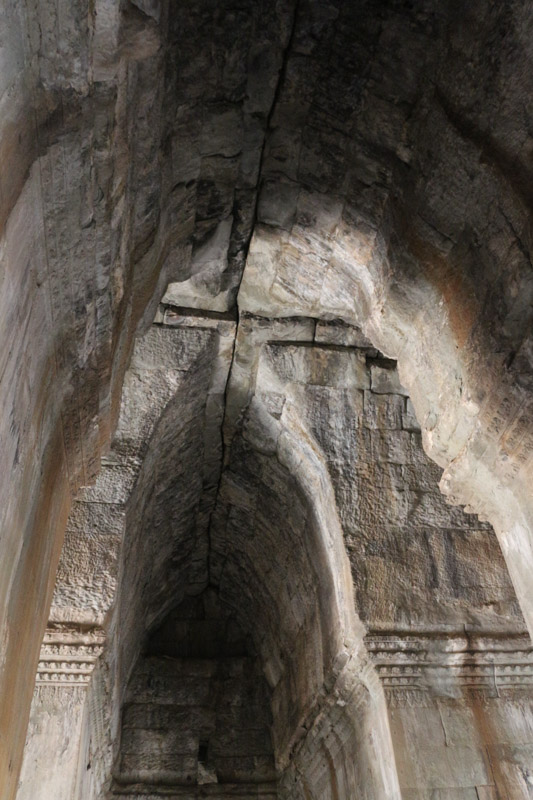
x: 271, y: 548
x: 423, y: 136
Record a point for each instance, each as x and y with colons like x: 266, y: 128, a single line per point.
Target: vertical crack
x: 246, y: 248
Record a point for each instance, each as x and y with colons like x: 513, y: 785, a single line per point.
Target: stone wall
x: 280, y: 463
x: 51, y: 757
x: 197, y: 710
x: 460, y: 713
x: 69, y: 311
x: 365, y: 161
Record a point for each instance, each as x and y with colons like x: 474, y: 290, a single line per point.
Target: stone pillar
x: 67, y: 659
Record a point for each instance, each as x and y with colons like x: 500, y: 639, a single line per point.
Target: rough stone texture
x: 56, y: 716
x: 314, y: 482
x: 407, y: 194
x: 197, y: 709
x: 273, y: 168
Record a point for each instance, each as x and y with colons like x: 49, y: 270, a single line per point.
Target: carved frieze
x: 446, y: 666
x: 68, y: 656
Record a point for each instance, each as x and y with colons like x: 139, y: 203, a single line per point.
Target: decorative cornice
x: 445, y: 665
x: 68, y: 656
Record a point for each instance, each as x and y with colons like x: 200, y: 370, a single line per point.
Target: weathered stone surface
x: 197, y: 708
x: 314, y: 189
x: 313, y: 456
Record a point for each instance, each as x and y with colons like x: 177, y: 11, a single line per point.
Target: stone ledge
x: 146, y: 791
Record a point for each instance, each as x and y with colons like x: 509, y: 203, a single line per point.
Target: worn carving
x: 68, y: 656
x: 447, y: 665
x: 266, y: 422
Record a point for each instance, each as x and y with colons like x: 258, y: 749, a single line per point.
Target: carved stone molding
x: 447, y: 665
x: 68, y: 656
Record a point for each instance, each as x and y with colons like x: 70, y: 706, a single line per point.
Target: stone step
x: 243, y: 791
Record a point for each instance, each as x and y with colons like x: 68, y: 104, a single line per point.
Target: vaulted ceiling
x: 311, y: 191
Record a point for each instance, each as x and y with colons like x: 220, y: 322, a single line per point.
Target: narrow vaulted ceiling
x: 266, y: 286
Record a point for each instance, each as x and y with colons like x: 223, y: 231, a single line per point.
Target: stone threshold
x: 247, y: 790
